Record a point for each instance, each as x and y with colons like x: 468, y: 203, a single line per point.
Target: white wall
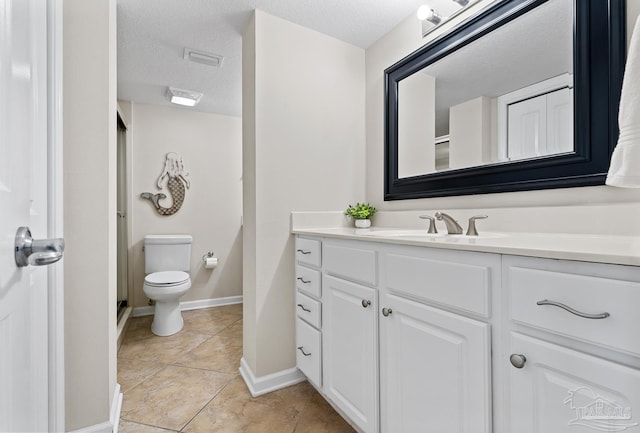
x: 416, y: 125
x: 303, y: 115
x: 391, y: 48
x: 89, y: 104
x: 470, y: 126
x: 211, y: 149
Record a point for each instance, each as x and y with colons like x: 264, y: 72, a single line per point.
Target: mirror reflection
x: 504, y: 97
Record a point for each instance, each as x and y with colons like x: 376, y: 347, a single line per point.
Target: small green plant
x: 361, y: 211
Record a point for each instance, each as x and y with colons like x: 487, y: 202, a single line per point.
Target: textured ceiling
x: 152, y: 35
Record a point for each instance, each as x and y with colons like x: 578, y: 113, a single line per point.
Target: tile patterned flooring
x: 189, y: 382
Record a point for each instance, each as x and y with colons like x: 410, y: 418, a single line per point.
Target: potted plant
x: 361, y: 213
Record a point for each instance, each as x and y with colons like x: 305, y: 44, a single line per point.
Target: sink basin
x: 401, y: 233
x: 485, y: 235
x: 422, y: 233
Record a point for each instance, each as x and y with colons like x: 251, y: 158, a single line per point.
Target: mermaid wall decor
x: 176, y: 183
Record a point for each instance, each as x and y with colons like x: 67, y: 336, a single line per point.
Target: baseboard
x: 116, y: 408
x: 123, y: 324
x: 110, y: 426
x: 271, y: 382
x: 192, y: 305
x: 103, y: 427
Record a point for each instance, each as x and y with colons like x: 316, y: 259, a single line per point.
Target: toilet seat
x: 166, y: 278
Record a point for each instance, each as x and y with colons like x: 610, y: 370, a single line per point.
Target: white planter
x: 363, y: 224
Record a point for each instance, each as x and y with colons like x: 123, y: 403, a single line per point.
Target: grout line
x: 149, y: 425
x: 205, y: 405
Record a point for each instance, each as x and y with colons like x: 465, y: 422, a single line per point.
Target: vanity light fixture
x: 188, y: 98
x: 431, y: 19
x: 425, y: 13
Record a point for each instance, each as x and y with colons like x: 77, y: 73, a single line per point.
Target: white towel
x: 624, y: 170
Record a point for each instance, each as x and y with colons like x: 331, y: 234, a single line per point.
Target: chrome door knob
x: 386, y: 312
x: 366, y: 303
x: 518, y: 360
x: 36, y: 252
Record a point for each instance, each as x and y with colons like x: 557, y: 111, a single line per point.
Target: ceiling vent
x: 203, y: 57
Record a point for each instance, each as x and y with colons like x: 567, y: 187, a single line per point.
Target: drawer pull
x: 386, y: 312
x: 304, y: 309
x: 303, y: 280
x: 303, y: 352
x: 366, y: 303
x: 304, y: 252
x: 572, y: 311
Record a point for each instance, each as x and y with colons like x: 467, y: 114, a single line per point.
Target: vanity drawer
x: 308, y: 309
x: 458, y: 280
x: 309, y: 281
x: 530, y: 281
x: 355, y: 264
x: 309, y: 251
x: 308, y: 351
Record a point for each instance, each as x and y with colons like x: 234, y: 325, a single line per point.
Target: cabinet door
x: 561, y: 390
x: 435, y: 370
x: 350, y: 350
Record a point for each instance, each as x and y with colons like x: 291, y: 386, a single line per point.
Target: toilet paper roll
x: 210, y: 262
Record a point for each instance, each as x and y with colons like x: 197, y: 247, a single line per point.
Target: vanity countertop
x: 622, y: 250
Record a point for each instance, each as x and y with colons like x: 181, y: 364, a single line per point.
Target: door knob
x: 366, y: 303
x: 386, y: 312
x: 517, y: 360
x: 36, y: 252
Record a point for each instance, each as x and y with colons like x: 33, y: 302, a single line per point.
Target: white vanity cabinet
x: 418, y: 339
x: 350, y: 333
x: 573, y: 351
x: 435, y: 350
x: 309, y: 308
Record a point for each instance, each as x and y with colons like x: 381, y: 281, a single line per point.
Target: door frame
x: 55, y: 207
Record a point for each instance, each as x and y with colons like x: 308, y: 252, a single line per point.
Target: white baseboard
x: 116, y: 408
x: 110, y: 426
x: 271, y: 382
x: 103, y: 427
x: 191, y: 305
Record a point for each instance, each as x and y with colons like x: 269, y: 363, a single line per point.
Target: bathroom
x: 322, y: 149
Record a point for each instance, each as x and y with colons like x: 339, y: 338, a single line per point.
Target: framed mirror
x: 524, y: 95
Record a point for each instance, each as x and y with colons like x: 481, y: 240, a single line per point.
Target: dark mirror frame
x: 599, y: 57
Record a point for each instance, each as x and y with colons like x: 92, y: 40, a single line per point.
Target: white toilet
x: 167, y: 259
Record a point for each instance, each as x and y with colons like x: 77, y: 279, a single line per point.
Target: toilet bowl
x: 167, y: 258
x: 166, y: 288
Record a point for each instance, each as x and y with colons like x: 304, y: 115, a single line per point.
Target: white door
x: 527, y: 130
x: 560, y: 121
x: 561, y: 390
x: 434, y: 370
x: 349, y: 318
x: 23, y: 194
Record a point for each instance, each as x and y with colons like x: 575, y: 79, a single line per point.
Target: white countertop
x: 622, y: 250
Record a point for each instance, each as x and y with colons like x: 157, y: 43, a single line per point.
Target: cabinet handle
x: 303, y: 280
x: 366, y: 303
x: 304, y: 309
x: 303, y: 352
x: 304, y: 252
x: 386, y: 312
x: 518, y: 360
x: 572, y: 311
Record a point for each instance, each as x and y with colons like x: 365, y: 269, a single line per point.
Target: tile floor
x: 189, y: 382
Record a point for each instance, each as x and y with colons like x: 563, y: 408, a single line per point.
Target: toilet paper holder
x: 207, y: 255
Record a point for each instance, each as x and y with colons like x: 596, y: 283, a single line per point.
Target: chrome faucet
x: 453, y: 228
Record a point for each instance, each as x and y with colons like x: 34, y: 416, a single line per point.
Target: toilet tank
x: 167, y: 253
